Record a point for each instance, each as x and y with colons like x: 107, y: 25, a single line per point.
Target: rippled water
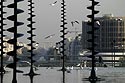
x: 110, y: 75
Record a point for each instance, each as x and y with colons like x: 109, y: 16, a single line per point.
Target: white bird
x: 49, y: 36
x: 78, y: 65
x: 26, y: 62
x: 72, y: 22
x: 37, y: 44
x: 30, y: 64
x: 98, y: 23
x: 53, y: 4
x: 71, y: 68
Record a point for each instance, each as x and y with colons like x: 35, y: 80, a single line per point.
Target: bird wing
x: 98, y: 22
x: 77, y: 22
x: 52, y: 35
x: 37, y: 44
x: 49, y: 36
x: 72, y: 23
x: 55, y: 2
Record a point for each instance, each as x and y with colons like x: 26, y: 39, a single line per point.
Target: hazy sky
x: 48, y: 17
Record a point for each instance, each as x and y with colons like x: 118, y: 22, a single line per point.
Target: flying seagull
x: 98, y: 23
x: 35, y: 68
x: 77, y: 22
x: 53, y: 3
x: 49, y: 36
x: 74, y: 22
x: 37, y: 44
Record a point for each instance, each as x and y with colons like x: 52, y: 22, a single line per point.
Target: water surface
x: 110, y: 75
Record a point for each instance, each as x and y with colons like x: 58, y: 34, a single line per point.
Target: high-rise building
x: 75, y: 47
x: 110, y: 35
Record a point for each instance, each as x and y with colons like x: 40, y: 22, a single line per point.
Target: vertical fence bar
x: 92, y: 78
x: 14, y: 40
x: 2, y: 36
x: 63, y: 20
x: 31, y: 74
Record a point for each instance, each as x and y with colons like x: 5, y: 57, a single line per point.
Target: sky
x: 48, y: 17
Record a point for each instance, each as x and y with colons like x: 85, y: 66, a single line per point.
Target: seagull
x: 53, y: 4
x: 77, y: 22
x: 37, y: 44
x: 98, y: 5
x: 49, y: 36
x: 98, y: 23
x: 29, y: 64
x: 74, y: 22
x: 69, y: 68
x: 79, y: 65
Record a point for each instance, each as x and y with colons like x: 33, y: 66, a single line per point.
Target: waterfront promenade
x: 77, y: 75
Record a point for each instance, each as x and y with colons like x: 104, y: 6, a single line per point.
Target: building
x: 9, y: 47
x: 75, y: 47
x: 110, y: 35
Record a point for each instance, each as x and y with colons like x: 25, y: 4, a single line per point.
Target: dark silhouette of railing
x: 2, y: 71
x: 14, y: 40
x: 63, y: 31
x: 93, y: 78
x: 31, y: 74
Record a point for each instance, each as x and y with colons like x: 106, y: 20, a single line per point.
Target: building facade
x: 110, y: 35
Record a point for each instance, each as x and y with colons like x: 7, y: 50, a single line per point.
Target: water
x: 110, y: 75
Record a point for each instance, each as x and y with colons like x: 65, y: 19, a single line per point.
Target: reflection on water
x: 110, y: 75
